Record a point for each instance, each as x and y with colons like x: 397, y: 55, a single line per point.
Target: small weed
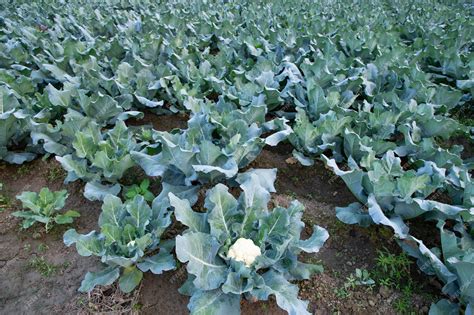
x: 308, y: 221
x: 342, y: 293
x: 5, y: 202
x: 43, y: 267
x: 394, y: 271
x: 42, y: 248
x: 350, y: 282
x: 339, y: 227
x: 137, y: 307
x: 66, y: 265
x: 55, y: 173
x: 376, y: 234
x: 291, y: 194
x: 403, y: 304
x: 27, y: 247
x: 23, y: 170
x: 391, y: 269
x: 360, y: 277
x: 81, y: 302
x: 387, y: 282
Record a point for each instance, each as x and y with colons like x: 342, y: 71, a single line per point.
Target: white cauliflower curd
x: 244, y: 250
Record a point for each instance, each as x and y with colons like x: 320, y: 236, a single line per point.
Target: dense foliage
x: 377, y: 89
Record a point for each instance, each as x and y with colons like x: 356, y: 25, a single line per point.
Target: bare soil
x: 25, y: 290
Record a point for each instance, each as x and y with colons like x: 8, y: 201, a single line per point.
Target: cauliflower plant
x: 244, y: 250
x: 240, y: 248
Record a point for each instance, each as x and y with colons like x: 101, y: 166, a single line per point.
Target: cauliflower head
x: 244, y: 250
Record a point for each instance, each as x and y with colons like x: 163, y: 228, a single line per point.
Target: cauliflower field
x: 237, y: 157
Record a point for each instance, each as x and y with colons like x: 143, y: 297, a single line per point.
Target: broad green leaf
x: 378, y: 216
x: 140, y: 211
x: 353, y: 214
x: 112, y: 211
x: 316, y: 240
x: 199, y: 250
x: 222, y: 209
x: 103, y: 277
x: 195, y: 221
x: 444, y: 307
x: 286, y: 294
x: 214, y: 302
x: 410, y: 183
x: 129, y: 279
x: 112, y: 233
x: 151, y: 164
x: 97, y: 191
x: 158, y: 263
x: 86, y: 245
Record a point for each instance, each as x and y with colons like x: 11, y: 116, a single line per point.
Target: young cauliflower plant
x: 239, y: 247
x: 220, y: 140
x: 100, y: 159
x: 44, y: 207
x: 129, y: 240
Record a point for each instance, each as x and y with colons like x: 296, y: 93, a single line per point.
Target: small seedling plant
x: 360, y: 277
x: 3, y: 199
x: 141, y: 190
x: 44, y: 207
